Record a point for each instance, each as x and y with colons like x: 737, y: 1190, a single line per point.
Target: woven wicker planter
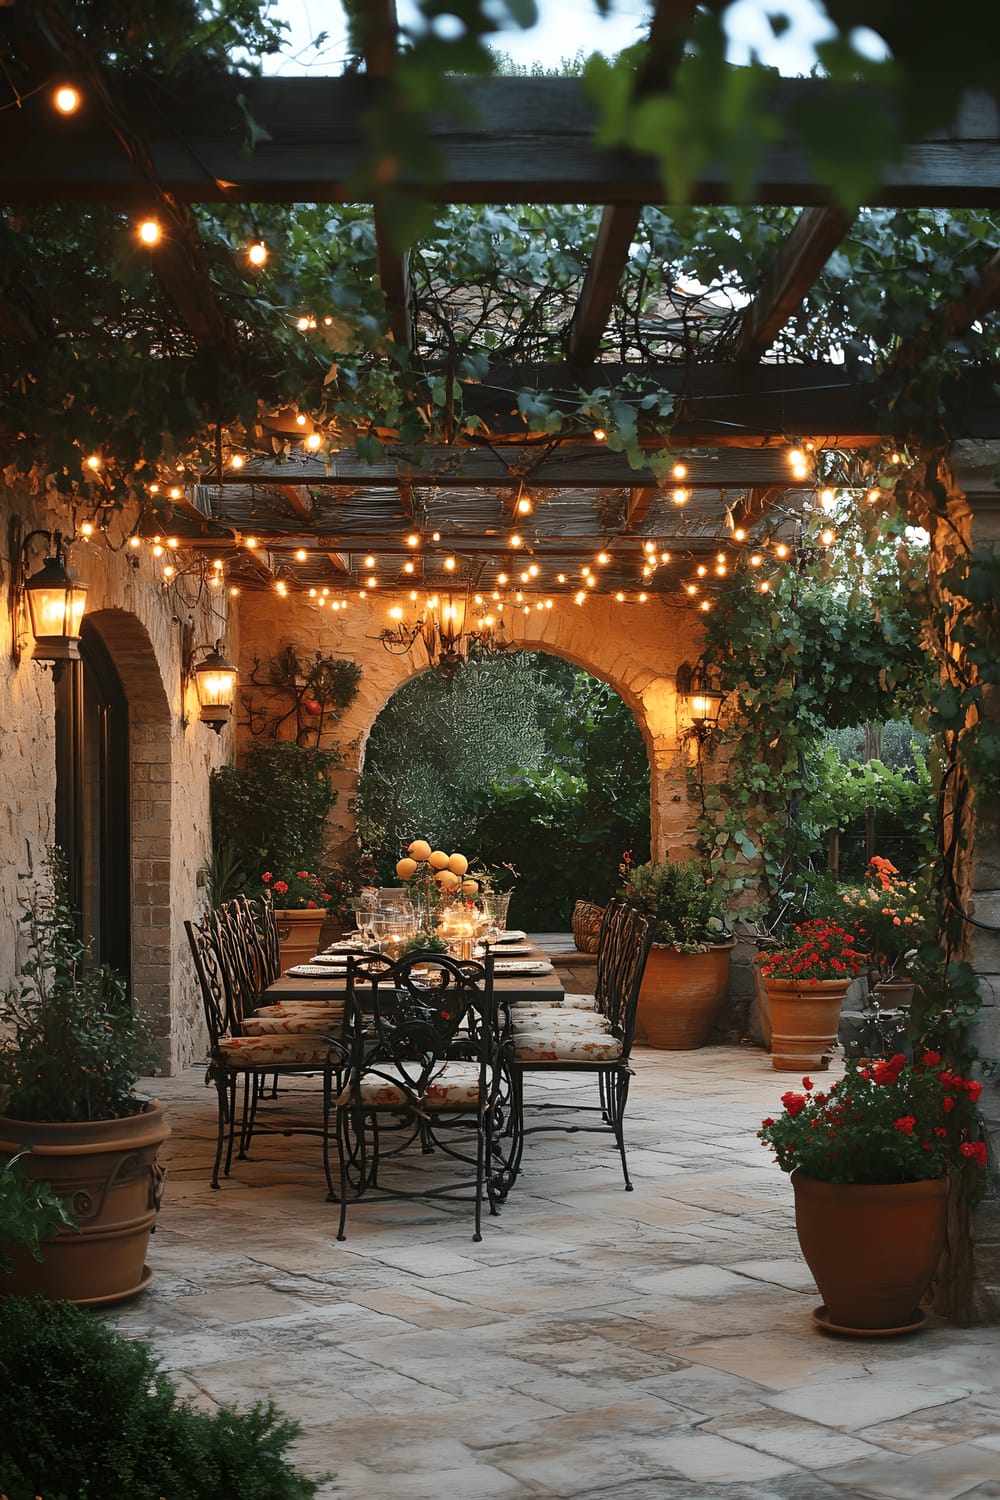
x: 587, y: 919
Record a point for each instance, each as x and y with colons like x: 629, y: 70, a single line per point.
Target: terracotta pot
x: 872, y: 1249
x: 106, y: 1172
x: 894, y: 994
x: 681, y: 995
x: 298, y: 935
x: 805, y: 1019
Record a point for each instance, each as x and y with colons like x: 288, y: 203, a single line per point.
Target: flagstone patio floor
x: 596, y: 1343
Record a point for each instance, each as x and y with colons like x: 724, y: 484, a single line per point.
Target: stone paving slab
x: 596, y: 1345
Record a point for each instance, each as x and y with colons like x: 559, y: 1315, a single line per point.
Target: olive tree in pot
x: 687, y: 972
x: 70, y: 1056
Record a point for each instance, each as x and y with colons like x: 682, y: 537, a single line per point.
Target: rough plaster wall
x: 138, y: 621
x: 635, y: 648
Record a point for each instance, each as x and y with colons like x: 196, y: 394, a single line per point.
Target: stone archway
x: 150, y: 802
x: 634, y: 648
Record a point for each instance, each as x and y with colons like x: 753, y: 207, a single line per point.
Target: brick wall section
x: 138, y: 620
x: 635, y: 648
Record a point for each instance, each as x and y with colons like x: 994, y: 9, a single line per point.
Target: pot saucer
x: 823, y: 1320
x: 143, y: 1283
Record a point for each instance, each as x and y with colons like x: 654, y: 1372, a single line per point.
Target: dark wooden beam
x: 815, y: 235
x: 299, y: 503
x: 751, y: 508
x: 526, y: 140
x: 639, y: 501
x: 619, y: 221
x: 379, y: 30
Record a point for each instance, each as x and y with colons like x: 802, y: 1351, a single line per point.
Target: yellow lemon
x: 406, y: 868
x: 437, y: 859
x: 420, y: 849
x: 470, y: 887
x: 458, y: 864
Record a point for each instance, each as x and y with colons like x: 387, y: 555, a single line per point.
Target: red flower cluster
x: 820, y: 950
x: 299, y: 891
x: 884, y: 1121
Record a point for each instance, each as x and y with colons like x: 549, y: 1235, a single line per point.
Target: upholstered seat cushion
x: 579, y: 1002
x: 453, y: 1085
x: 553, y: 1045
x: 323, y: 1010
x: 557, y: 1020
x: 258, y: 1025
x: 306, y: 1051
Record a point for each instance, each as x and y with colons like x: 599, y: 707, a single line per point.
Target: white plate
x: 512, y: 935
x: 522, y: 966
x: 328, y: 960
x: 510, y: 949
x: 316, y: 971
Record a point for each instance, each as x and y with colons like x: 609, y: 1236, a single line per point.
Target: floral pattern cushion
x: 567, y: 1046
x: 559, y: 1020
x: 323, y: 1010
x: 580, y: 1002
x: 290, y: 1025
x: 308, y: 1051
x: 454, y: 1086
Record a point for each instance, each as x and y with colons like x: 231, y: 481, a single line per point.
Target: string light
x: 94, y: 461
x: 765, y: 587
x: 449, y: 564
x: 827, y: 537
x: 300, y: 420
x: 680, y: 497
x: 827, y: 498
x: 643, y: 598
x: 516, y: 541
x: 533, y: 571
x: 66, y: 99
x: 560, y: 578
x: 501, y: 578
x: 781, y: 550
x: 87, y: 528
x: 702, y: 570
x: 301, y: 555
x: 603, y: 559
x: 251, y: 542
x: 237, y: 461
x: 679, y: 471
x: 599, y: 434
x: 413, y: 540
x: 150, y: 232
x: 692, y: 589
x: 580, y: 597
x: 705, y: 605
x: 302, y: 324
x: 369, y: 561
x: 314, y: 441
x: 755, y: 559
x: 739, y: 535
x: 664, y: 557
x: 257, y: 253
x: 524, y: 506
x: 135, y: 543
x: 407, y: 567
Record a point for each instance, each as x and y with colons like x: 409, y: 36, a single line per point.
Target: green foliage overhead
x: 71, y: 1049
x: 85, y: 1412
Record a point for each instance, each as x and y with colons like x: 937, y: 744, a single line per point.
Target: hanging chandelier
x: 453, y: 628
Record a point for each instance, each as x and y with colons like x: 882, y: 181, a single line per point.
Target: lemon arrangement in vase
x: 870, y: 1161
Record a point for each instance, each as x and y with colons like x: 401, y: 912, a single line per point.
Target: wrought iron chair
x: 427, y: 1063
x: 236, y: 1056
x: 595, y: 1041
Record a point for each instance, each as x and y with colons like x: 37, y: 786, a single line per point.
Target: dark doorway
x: 92, y: 799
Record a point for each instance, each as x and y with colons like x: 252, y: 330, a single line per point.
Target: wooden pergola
x: 526, y: 141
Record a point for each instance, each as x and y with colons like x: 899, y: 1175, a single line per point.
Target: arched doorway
x: 529, y: 761
x: 93, y: 799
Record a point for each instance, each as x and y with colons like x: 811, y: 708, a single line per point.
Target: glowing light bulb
x: 173, y: 541
x: 516, y: 541
x: 257, y: 253
x: 314, y: 441
x: 692, y: 588
x: 66, y: 99
x: 664, y: 557
x: 705, y: 605
x: 154, y: 489
x: 620, y: 598
x: 372, y: 582
x: 157, y: 551
x: 679, y: 471
x: 234, y: 592
x: 525, y: 577
x: 765, y: 587
x: 680, y: 497
x: 501, y: 578
x: 781, y: 550
x: 150, y: 232
x: 302, y: 324
x: 435, y: 536
x: 739, y: 535
x: 827, y: 498
x: 533, y: 571
x: 643, y: 598
x: 649, y: 546
x: 548, y: 604
x: 560, y: 578
x: 251, y: 542
x: 591, y: 581
x: 301, y: 555
x: 407, y: 567
x: 721, y: 570
x: 369, y: 561
x: 827, y: 537
x: 599, y: 434
x: 237, y: 461
x: 169, y: 571
x: 603, y: 558
x: 895, y: 458
x: 395, y: 613
x: 300, y: 420
x: 755, y: 560
x: 720, y: 557
x: 796, y: 458
x: 217, y: 565
x: 580, y: 597
x: 449, y: 565
x: 87, y: 528
x: 94, y: 461
x: 175, y: 493
x: 702, y: 570
x: 134, y: 542
x: 873, y: 495
x: 524, y: 506
x: 413, y: 540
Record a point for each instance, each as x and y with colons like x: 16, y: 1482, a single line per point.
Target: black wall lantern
x: 55, y: 601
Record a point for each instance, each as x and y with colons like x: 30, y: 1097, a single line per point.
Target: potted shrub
x: 870, y: 1161
x: 85, y: 1410
x: 805, y: 981
x: 687, y: 972
x: 70, y: 1056
x: 889, y: 917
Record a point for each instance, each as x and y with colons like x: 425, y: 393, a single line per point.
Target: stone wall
x: 635, y: 648
x: 138, y: 618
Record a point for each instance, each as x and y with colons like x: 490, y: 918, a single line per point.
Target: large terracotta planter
x: 298, y: 935
x: 872, y: 1250
x: 805, y: 1019
x: 106, y: 1172
x: 681, y: 995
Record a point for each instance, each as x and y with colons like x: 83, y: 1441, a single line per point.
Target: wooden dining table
x: 508, y: 987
